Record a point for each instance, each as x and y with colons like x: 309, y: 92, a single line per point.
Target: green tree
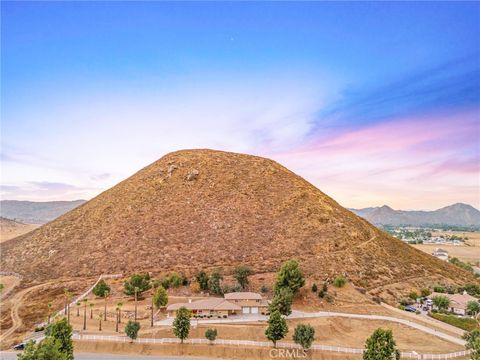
x: 381, y: 346
x: 48, y: 349
x: 304, y: 335
x: 314, y: 288
x: 211, y: 334
x: 339, y: 281
x: 425, y: 292
x: 413, y: 295
x: 78, y: 308
x: 61, y: 330
x: 132, y: 328
x: 181, y: 323
x: 101, y: 289
x: 137, y: 283
x: 290, y: 276
x: 277, y: 327
x: 176, y: 280
x: 85, y: 313
x: 241, y: 274
x: 282, y: 301
x: 473, y: 307
x: 214, y: 282
x: 441, y: 302
x: 160, y: 297
x: 472, y: 339
x: 202, y: 279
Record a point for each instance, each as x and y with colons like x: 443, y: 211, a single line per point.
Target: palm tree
x: 153, y: 294
x: 116, y: 324
x: 136, y: 292
x: 119, y: 307
x: 68, y: 297
x: 91, y: 309
x: 49, y: 305
x: 78, y: 308
x: 100, y: 317
x: 85, y: 314
x: 105, y: 306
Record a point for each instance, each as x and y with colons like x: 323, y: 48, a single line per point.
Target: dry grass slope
x: 196, y: 209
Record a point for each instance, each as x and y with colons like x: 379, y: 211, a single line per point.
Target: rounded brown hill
x: 197, y: 209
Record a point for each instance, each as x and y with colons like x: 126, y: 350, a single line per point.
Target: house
x: 213, y: 307
x: 441, y: 254
x: 232, y: 304
x: 251, y: 303
x: 458, y: 302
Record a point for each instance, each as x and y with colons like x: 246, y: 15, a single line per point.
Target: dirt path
x: 10, y: 283
x: 17, y: 301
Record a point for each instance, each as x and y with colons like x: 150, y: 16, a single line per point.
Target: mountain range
x: 32, y: 212
x: 455, y: 215
x: 205, y: 209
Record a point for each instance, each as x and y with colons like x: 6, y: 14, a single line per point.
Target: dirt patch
x: 469, y: 254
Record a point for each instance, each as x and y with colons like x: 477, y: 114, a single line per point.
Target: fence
x: 405, y: 355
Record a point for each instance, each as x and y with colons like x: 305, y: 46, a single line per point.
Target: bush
x: 131, y: 329
x: 425, y: 292
x: 439, y: 289
x: 175, y: 280
x: 211, y: 334
x: 464, y: 323
x: 314, y: 288
x: 321, y: 294
x: 339, y: 281
x: 101, y: 289
x: 141, y: 282
x: 329, y: 298
x: 325, y: 287
x: 413, y: 295
x: 264, y: 289
x: 304, y: 335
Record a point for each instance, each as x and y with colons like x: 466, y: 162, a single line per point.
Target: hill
x: 10, y: 229
x: 197, y: 209
x: 453, y: 215
x: 32, y: 212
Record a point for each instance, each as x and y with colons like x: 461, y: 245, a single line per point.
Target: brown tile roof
x: 207, y: 304
x: 243, y: 296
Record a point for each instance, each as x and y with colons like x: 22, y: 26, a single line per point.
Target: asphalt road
x: 84, y: 356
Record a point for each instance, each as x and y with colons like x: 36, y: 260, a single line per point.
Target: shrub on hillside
x: 339, y: 281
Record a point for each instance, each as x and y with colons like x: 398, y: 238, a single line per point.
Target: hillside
x: 10, y: 229
x: 197, y: 209
x: 457, y: 214
x: 33, y: 212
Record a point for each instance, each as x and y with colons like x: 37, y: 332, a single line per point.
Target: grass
x: 466, y: 324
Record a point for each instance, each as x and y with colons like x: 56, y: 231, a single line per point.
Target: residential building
x: 458, y: 302
x: 441, y: 254
x: 250, y: 302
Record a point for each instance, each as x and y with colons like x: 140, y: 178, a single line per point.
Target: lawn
x: 466, y: 324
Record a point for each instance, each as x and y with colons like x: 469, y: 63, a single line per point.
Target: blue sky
x: 91, y: 92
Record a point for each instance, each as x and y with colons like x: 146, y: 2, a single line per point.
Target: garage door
x: 254, y: 310
x: 246, y: 310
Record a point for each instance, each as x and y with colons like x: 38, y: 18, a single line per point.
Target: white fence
x: 404, y: 355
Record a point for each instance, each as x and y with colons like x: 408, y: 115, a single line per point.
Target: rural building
x: 441, y: 254
x: 251, y: 303
x: 232, y: 304
x: 458, y: 302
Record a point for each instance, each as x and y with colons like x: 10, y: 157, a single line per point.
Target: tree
x: 131, y: 329
x: 381, y: 346
x: 61, y: 330
x: 117, y: 318
x: 91, y: 309
x: 181, y: 324
x: 441, y: 302
x: 241, y: 274
x: 277, y: 327
x: 119, y: 306
x: 85, y: 314
x: 100, y: 317
x: 211, y: 334
x: 68, y: 297
x: 282, y: 301
x: 49, y: 306
x: 472, y: 339
x: 105, y: 296
x: 413, y: 295
x: 289, y: 276
x: 202, y: 279
x: 473, y: 307
x: 176, y: 280
x: 160, y: 297
x: 314, y: 288
x: 425, y: 292
x: 49, y: 348
x: 339, y: 281
x: 78, y: 308
x: 214, y: 282
x: 139, y: 282
x: 304, y: 335
x: 101, y: 288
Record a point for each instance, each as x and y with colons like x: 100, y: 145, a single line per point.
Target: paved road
x: 85, y: 356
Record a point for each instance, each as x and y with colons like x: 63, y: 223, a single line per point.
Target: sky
x: 373, y: 102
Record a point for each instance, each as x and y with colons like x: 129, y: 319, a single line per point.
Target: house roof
x: 458, y: 301
x: 243, y: 296
x: 207, y: 304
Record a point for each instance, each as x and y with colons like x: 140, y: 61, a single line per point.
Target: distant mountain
x: 455, y: 215
x: 31, y: 212
x: 11, y: 228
